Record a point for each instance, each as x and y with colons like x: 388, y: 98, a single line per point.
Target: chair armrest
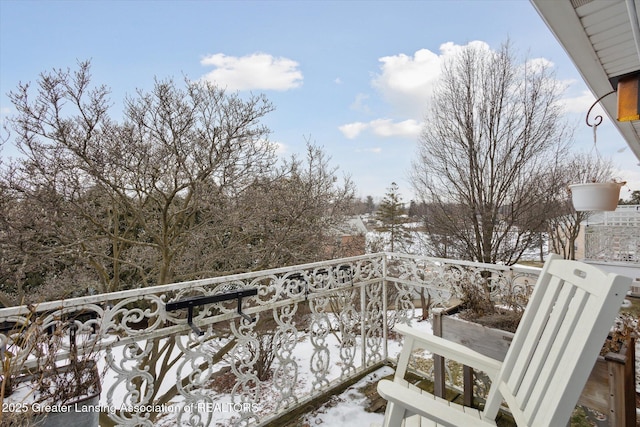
x: 451, y: 350
x: 430, y: 408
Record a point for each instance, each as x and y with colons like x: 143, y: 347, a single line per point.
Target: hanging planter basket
x: 596, y: 196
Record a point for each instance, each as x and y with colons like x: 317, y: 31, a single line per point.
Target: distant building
x: 350, y: 238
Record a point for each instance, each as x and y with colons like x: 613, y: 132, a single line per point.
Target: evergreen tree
x: 634, y: 199
x: 391, y: 213
x: 370, y: 205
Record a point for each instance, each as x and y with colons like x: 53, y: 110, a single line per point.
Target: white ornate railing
x: 316, y: 326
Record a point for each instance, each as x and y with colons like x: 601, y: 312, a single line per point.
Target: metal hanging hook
x: 597, y: 119
x: 244, y: 315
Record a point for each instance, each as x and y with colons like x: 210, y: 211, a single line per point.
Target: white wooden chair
x: 569, y: 315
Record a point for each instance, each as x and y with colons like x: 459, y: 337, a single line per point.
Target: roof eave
x: 564, y: 23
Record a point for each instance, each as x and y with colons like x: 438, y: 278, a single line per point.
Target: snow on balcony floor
x: 350, y: 406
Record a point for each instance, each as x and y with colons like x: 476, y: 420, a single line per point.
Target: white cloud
x: 386, y: 128
x: 374, y: 150
x: 360, y: 103
x: 450, y: 49
x: 352, y: 130
x: 281, y: 148
x: 407, y: 82
x: 581, y: 103
x: 258, y: 71
x: 383, y: 128
x: 539, y: 64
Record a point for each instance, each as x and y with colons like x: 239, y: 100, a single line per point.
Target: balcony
x: 299, y: 333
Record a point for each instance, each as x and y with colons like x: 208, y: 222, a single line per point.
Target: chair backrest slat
x: 557, y: 342
x: 537, y: 314
x: 554, y: 366
x: 549, y: 344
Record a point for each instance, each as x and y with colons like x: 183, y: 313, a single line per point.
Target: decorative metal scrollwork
x: 320, y: 324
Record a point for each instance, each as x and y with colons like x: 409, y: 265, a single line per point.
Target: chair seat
x: 410, y: 391
x: 418, y: 421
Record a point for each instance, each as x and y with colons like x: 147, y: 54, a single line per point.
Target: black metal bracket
x: 190, y: 303
x: 598, y: 119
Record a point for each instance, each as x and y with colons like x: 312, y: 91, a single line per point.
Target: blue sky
x: 353, y: 76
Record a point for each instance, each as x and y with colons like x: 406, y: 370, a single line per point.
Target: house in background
x: 349, y: 238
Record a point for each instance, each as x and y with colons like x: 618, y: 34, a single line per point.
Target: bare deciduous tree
x: 492, y: 136
x: 177, y: 189
x: 282, y: 218
x: 137, y: 186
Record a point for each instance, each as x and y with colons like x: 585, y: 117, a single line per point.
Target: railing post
x: 363, y: 324
x: 385, y: 320
x: 438, y: 361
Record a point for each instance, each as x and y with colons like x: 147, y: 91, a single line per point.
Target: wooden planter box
x: 610, y: 389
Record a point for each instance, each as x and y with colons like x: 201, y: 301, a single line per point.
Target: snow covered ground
x: 349, y: 407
